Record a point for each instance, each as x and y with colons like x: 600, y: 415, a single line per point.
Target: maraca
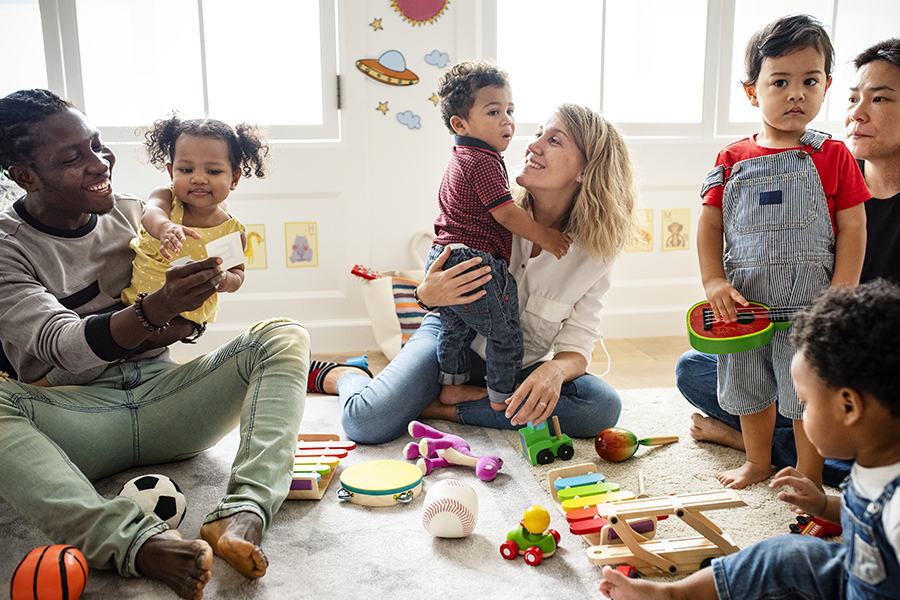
x: 616, y: 444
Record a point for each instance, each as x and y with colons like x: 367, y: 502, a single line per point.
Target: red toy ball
x: 50, y: 573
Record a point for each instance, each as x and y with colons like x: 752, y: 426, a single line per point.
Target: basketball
x: 451, y: 509
x: 50, y: 573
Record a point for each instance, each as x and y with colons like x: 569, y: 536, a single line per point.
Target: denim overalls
x: 779, y: 251
x: 870, y: 560
x: 798, y: 566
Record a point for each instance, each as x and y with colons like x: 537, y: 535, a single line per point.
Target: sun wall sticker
x: 302, y: 244
x: 419, y: 12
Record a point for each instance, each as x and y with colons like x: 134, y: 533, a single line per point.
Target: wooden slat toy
x: 679, y: 555
x: 597, y: 530
x: 578, y: 481
x: 588, y: 501
x: 567, y: 493
x: 317, y: 457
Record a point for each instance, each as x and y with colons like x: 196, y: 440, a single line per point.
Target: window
x: 139, y: 60
x: 22, y: 38
x: 628, y: 57
x: 662, y: 68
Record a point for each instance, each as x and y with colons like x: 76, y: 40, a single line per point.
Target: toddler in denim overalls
x: 846, y: 371
x: 792, y: 219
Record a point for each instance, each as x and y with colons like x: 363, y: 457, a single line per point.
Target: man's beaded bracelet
x: 139, y: 310
x: 421, y: 304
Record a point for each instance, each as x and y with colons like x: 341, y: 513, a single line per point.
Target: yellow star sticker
x: 382, y: 106
x: 434, y: 98
x: 376, y: 25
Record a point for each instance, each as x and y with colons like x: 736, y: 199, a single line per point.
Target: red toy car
x: 809, y: 525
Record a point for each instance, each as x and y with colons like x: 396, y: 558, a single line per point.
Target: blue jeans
x: 696, y: 378
x: 54, y: 441
x: 495, y: 316
x: 786, y: 567
x: 375, y: 411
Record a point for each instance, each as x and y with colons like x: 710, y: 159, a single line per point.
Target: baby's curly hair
x: 458, y: 84
x: 849, y: 339
x: 247, y: 149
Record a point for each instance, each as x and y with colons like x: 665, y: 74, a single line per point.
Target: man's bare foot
x: 747, y: 474
x: 708, y: 429
x: 457, y: 394
x: 183, y: 565
x: 237, y: 539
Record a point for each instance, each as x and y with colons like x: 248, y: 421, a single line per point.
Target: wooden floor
x: 636, y: 362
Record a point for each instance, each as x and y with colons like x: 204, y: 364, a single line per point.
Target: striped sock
x: 318, y: 369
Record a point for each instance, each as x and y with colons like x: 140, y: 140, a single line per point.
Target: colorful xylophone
x: 317, y: 457
x: 577, y: 490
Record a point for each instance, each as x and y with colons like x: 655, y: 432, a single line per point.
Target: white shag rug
x: 329, y: 548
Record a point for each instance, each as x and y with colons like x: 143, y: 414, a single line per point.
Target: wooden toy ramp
x: 677, y: 555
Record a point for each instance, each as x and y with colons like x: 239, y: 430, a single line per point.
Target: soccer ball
x: 157, y: 494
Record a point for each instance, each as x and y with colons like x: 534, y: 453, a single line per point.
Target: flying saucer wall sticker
x: 389, y: 68
x: 419, y: 12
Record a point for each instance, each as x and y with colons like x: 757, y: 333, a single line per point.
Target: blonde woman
x: 577, y: 178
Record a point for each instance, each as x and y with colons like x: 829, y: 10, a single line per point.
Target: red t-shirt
x: 842, y: 181
x: 474, y: 184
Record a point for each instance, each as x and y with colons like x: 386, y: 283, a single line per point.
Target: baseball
x: 451, y: 509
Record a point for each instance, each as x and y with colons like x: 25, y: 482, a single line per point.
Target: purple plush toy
x: 437, y: 449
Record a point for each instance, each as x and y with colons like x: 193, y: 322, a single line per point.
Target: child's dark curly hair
x: 849, y: 338
x: 457, y: 87
x: 785, y: 36
x: 19, y: 112
x: 247, y: 149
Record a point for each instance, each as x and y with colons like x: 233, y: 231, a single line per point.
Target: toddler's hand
x: 556, y: 243
x: 722, y: 298
x: 171, y: 238
x: 806, y: 496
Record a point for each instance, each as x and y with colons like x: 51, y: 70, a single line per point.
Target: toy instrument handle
x: 659, y: 440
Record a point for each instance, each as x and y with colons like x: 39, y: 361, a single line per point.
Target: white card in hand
x: 228, y: 248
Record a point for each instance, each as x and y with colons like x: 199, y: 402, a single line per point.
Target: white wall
x: 373, y: 190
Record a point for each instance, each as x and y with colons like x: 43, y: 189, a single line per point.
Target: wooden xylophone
x: 315, y: 461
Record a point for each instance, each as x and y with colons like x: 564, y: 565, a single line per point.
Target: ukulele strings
x: 771, y: 313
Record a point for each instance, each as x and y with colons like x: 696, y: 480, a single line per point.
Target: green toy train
x: 540, y: 447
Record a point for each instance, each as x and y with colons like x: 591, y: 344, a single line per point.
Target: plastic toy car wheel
x: 545, y: 457
x: 565, y: 452
x: 534, y: 556
x: 555, y: 535
x: 509, y: 550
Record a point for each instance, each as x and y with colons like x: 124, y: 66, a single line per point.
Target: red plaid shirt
x: 474, y: 184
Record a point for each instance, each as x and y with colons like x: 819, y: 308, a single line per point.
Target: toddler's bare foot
x: 457, y: 394
x: 618, y: 587
x: 329, y: 383
x: 237, y: 539
x: 747, y: 474
x: 183, y: 565
x: 708, y: 429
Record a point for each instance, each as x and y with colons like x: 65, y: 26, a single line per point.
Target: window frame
x: 64, y: 75
x: 717, y: 83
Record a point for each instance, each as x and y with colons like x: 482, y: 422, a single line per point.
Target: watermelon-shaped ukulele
x: 755, y: 327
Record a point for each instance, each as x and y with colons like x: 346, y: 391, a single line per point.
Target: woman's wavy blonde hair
x: 604, y: 216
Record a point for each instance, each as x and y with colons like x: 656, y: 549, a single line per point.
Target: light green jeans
x: 54, y: 441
